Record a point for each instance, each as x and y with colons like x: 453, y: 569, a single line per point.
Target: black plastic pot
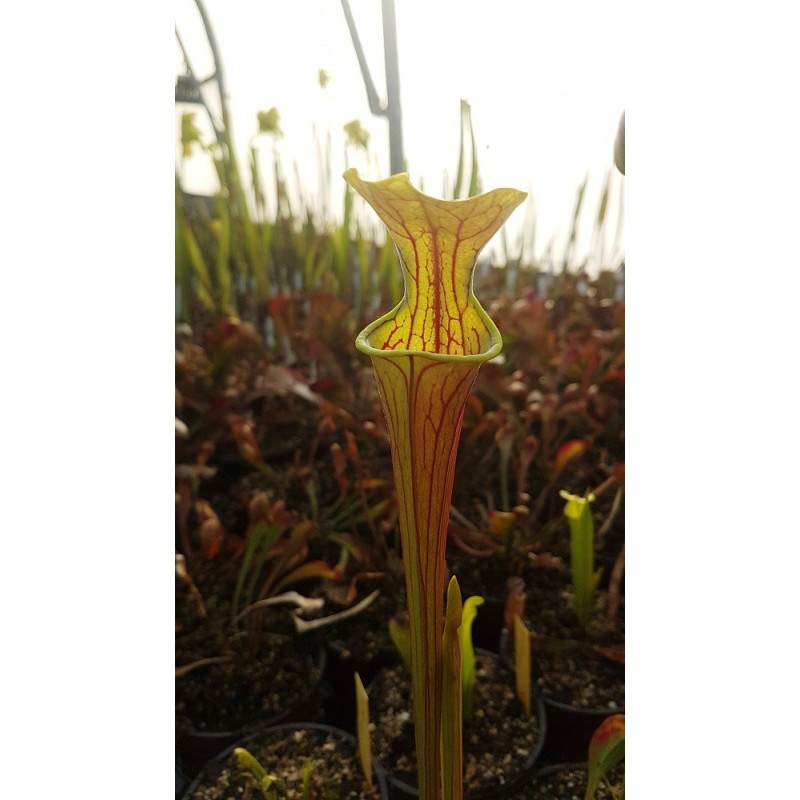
x: 400, y: 790
x: 570, y: 728
x: 194, y: 748
x: 487, y: 626
x: 338, y: 690
x: 216, y: 763
x: 403, y: 791
x: 545, y: 774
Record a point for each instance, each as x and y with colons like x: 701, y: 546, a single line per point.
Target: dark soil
x: 252, y: 687
x: 335, y: 772
x: 268, y: 671
x: 582, y: 681
x: 569, y: 783
x: 572, y: 666
x: 359, y: 644
x: 575, y: 667
x: 498, y: 739
x: 485, y: 577
x: 364, y: 639
x: 549, y: 613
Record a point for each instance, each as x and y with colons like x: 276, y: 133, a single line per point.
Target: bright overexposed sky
x: 545, y: 82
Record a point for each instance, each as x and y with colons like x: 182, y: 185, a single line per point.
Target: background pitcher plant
x: 426, y: 353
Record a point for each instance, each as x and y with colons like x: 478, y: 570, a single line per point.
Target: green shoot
x: 362, y: 729
x: 265, y: 782
x: 452, y: 694
x: 398, y: 632
x: 468, y: 653
x: 606, y: 750
x: 522, y: 663
x: 306, y: 780
x: 584, y: 576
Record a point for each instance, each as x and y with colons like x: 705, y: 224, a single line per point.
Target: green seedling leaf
x: 452, y: 689
x: 190, y: 133
x: 293, y: 547
x: 306, y: 780
x: 362, y: 729
x: 501, y: 525
x: 223, y: 232
x: 584, y: 576
x: 398, y: 633
x: 198, y: 265
x: 619, y: 145
x: 603, y: 206
x: 573, y: 233
x: 269, y: 122
x: 264, y: 781
x: 262, y: 537
x: 606, y: 750
x: 468, y: 652
x: 357, y: 135
x: 522, y: 663
x: 474, y: 178
x: 460, y: 167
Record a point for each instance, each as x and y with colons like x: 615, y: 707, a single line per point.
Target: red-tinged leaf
x: 612, y: 653
x: 324, y: 386
x: 244, y: 435
x: 352, y: 545
x: 606, y: 750
x: 501, y: 523
x: 281, y: 309
x: 546, y: 560
x: 258, y: 508
x: 211, y: 535
x: 311, y: 569
x: 373, y: 483
x: 617, y: 375
x: 568, y: 452
x: 339, y: 466
x: 352, y: 449
x: 473, y: 411
x: 289, y: 549
x: 325, y: 314
x: 473, y: 543
x: 232, y: 330
x: 530, y: 446
x: 352, y: 591
x: 609, y: 732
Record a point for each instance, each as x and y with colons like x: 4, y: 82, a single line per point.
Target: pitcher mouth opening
x: 495, y: 344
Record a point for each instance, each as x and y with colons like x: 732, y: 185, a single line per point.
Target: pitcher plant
x: 426, y: 354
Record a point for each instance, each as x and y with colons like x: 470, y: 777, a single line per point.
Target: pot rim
x: 491, y: 793
x: 320, y: 662
x: 599, y: 711
x: 285, y: 727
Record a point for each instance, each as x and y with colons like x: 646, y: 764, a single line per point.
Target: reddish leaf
x: 568, y: 452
